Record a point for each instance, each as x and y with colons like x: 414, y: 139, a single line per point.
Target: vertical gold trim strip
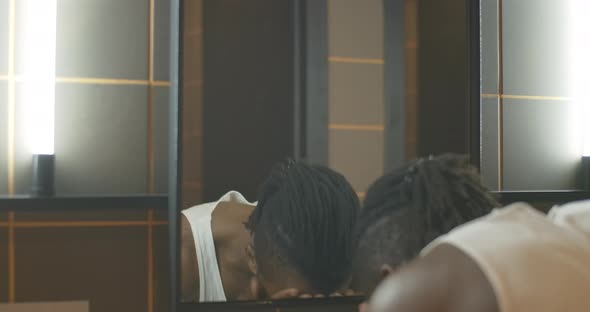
x: 11, y: 271
x: 150, y: 151
x: 500, y: 101
x: 11, y: 94
x: 150, y: 260
x: 150, y: 86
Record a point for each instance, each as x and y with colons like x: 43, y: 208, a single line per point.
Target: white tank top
x: 199, y: 218
x: 532, y: 261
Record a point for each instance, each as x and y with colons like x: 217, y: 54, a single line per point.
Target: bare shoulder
x: 228, y: 221
x: 444, y: 280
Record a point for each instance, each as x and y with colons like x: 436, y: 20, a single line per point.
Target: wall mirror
x: 255, y: 85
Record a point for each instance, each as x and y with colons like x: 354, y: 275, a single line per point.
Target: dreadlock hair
x: 305, y: 218
x: 406, y: 209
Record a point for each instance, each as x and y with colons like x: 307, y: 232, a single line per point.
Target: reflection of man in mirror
x: 296, y: 239
x: 408, y: 208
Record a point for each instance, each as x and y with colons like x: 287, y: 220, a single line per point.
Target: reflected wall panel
x: 192, y: 104
x: 352, y: 153
x: 356, y: 91
x: 442, y: 78
x: 356, y: 28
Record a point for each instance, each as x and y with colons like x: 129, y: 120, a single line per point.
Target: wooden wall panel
x: 161, y: 280
x: 108, y: 267
x: 3, y: 260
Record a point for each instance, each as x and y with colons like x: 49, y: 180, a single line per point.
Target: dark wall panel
x: 161, y: 280
x: 3, y: 261
x: 248, y: 92
x: 442, y: 62
x: 105, y: 266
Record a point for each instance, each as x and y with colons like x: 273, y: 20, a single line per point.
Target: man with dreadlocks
x: 512, y: 259
x: 296, y: 240
x: 408, y: 208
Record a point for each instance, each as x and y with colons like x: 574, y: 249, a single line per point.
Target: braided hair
x: 304, y: 220
x: 408, y: 208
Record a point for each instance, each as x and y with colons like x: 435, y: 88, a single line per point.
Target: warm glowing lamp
x: 38, y: 62
x: 581, y: 77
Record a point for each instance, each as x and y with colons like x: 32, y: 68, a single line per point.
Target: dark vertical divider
x: 443, y: 120
x: 314, y: 86
x: 248, y: 82
x: 474, y: 79
x: 175, y: 148
x: 395, y: 84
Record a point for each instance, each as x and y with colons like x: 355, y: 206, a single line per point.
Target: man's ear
x: 251, y: 260
x: 385, y: 271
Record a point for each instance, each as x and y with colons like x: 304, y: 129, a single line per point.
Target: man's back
x: 514, y: 259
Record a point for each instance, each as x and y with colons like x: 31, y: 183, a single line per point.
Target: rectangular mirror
x: 533, y: 112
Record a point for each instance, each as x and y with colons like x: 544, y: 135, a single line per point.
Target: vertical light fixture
x: 38, y: 62
x: 580, y: 62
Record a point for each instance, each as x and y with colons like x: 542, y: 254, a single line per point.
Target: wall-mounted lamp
x: 38, y: 61
x: 580, y: 62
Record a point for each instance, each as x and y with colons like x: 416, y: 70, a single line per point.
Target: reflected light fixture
x: 38, y: 34
x: 580, y: 62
